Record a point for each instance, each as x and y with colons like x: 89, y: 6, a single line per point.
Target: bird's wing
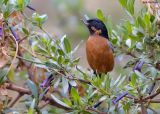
x: 111, y: 46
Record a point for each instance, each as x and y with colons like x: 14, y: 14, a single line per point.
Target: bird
x: 99, y: 50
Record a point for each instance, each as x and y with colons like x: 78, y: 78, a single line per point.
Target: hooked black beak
x: 85, y: 21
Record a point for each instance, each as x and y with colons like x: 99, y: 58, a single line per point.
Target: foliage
x: 57, y: 84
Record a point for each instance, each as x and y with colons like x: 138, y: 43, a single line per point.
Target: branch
x: 47, y: 97
x: 157, y: 79
x: 128, y: 53
x: 131, y: 54
x: 155, y: 101
x: 152, y: 96
x: 22, y: 39
x: 131, y: 97
x: 150, y: 101
x: 95, y: 110
x: 17, y: 88
x: 143, y: 109
x: 43, y: 105
x: 16, y: 99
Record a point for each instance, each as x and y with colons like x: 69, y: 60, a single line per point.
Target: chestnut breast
x: 99, y: 55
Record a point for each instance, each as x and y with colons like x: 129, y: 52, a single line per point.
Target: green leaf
x: 128, y: 26
x: 109, y: 26
x: 59, y: 101
x: 75, y: 61
x: 139, y: 74
x: 130, y: 6
x: 5, y: 1
x: 41, y: 49
x: 32, y: 86
x: 53, y: 48
x: 153, y: 72
x: 25, y: 31
x: 11, y: 74
x: 61, y: 52
x: 6, y: 14
x: 67, y: 45
x: 52, y: 65
x: 123, y: 3
x: 44, y: 40
x: 126, y: 106
x: 121, y: 81
x: 75, y: 95
x: 100, y: 15
x: 19, y: 5
x: 38, y: 20
x: 26, y: 2
x: 31, y: 109
x: 65, y: 86
x: 114, y: 41
x: 2, y: 75
x: 108, y: 82
x: 66, y: 61
x: 68, y: 102
x: 20, y: 2
x: 141, y: 22
x: 147, y: 19
x: 117, y: 80
x: 133, y: 79
x: 60, y: 60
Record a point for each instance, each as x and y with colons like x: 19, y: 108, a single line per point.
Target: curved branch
x: 47, y: 97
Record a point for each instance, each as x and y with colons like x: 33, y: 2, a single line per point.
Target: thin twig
x: 22, y: 39
x: 143, y: 109
x: 43, y: 105
x: 150, y: 101
x: 131, y: 97
x: 157, y: 79
x: 95, y: 110
x: 151, y: 96
x: 16, y: 99
x: 131, y: 54
x: 128, y: 53
x: 17, y: 88
x: 155, y: 101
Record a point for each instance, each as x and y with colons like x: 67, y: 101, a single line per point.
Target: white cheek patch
x: 96, y: 32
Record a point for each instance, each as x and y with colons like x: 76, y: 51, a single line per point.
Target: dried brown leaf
x: 4, y: 57
x: 3, y: 90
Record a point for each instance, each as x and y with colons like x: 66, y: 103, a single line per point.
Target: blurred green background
x: 64, y: 17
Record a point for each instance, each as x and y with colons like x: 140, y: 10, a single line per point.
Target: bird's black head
x: 96, y: 26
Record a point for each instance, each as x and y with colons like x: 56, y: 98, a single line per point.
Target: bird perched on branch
x: 99, y: 50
